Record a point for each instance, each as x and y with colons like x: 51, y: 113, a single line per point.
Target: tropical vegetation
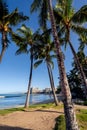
x: 68, y: 20
x: 57, y: 21
x: 25, y: 40
x: 75, y: 83
x: 7, y: 21
x: 44, y: 53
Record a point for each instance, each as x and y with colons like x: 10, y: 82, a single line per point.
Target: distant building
x: 34, y: 90
x: 37, y: 90
x: 47, y: 90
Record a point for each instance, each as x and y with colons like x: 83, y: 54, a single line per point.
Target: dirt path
x: 31, y: 120
x: 80, y: 107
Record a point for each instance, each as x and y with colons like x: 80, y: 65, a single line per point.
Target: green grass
x: 60, y: 123
x: 47, y: 105
x: 81, y: 118
x: 7, y: 111
x: 38, y: 106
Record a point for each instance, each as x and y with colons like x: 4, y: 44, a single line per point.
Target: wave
x: 14, y: 96
x: 2, y: 96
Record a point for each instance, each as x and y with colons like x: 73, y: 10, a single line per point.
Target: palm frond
x: 27, y: 29
x: 61, y: 31
x: 79, y: 29
x: 43, y: 14
x: 35, y: 5
x: 17, y: 39
x: 22, y: 49
x: 57, y: 15
x: 36, y: 64
x: 15, y: 17
x: 65, y: 8
x: 36, y: 35
x: 81, y: 15
x: 68, y: 7
x: 3, y: 9
x: 60, y: 6
x: 82, y: 42
x: 24, y: 30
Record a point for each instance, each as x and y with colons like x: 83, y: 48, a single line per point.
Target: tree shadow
x: 5, y: 127
x: 52, y: 111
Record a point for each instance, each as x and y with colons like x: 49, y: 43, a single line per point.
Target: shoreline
x: 18, y: 100
x: 22, y: 105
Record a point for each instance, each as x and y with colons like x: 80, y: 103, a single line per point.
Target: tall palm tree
x: 71, y: 123
x: 43, y: 54
x: 44, y: 51
x: 7, y: 20
x: 69, y: 20
x: 25, y: 39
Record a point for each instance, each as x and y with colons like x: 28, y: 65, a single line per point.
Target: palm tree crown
x: 7, y: 20
x: 25, y: 40
x: 68, y: 20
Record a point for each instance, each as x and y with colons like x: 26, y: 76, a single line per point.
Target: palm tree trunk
x: 79, y: 66
x: 29, y: 84
x: 52, y: 83
x: 4, y: 45
x: 70, y: 117
x: 2, y: 53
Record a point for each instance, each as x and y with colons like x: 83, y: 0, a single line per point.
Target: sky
x: 14, y: 69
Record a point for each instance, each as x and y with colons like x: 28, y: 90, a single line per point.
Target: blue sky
x: 14, y: 70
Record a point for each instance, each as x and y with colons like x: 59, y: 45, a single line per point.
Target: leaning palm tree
x: 71, y: 123
x: 25, y: 39
x: 43, y: 54
x: 69, y: 20
x: 7, y: 20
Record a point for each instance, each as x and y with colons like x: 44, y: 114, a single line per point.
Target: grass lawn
x: 81, y: 118
x: 38, y: 106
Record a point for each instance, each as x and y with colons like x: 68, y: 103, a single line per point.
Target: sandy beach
x: 35, y: 119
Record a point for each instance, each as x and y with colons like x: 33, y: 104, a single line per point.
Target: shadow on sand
x: 39, y: 110
x: 12, y: 128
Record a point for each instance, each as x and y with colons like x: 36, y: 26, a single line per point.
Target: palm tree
x: 43, y: 24
x: 25, y: 40
x: 7, y: 20
x: 43, y: 54
x: 69, y: 20
x: 71, y: 123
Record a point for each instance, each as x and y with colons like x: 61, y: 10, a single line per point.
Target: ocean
x: 17, y: 99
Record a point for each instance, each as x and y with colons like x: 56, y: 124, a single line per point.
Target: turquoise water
x: 13, y: 100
